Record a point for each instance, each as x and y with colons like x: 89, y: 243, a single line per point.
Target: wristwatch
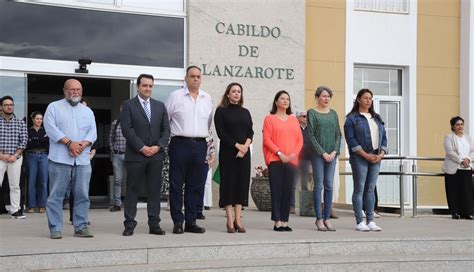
x: 278, y: 153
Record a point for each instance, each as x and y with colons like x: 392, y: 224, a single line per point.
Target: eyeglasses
x: 303, y: 116
x: 8, y: 105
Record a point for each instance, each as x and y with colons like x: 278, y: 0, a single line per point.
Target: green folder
x: 217, y: 176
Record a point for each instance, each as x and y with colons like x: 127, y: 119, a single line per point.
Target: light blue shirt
x: 74, y: 122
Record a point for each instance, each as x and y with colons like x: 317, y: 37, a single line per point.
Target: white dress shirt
x: 189, y: 117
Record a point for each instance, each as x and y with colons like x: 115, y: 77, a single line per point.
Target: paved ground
x: 30, y: 236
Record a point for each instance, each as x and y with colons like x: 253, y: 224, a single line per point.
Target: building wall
x: 437, y: 87
x: 390, y: 40
x: 215, y: 48
x: 325, y: 55
x: 467, y: 65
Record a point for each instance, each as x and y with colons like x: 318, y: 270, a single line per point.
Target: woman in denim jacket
x: 367, y: 140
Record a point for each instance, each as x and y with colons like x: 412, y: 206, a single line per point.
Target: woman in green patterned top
x: 325, y: 134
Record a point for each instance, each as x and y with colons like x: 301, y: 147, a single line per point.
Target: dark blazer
x: 139, y: 132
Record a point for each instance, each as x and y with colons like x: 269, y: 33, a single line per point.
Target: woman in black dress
x: 234, y: 129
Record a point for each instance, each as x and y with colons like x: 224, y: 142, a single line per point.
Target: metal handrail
x: 413, y: 173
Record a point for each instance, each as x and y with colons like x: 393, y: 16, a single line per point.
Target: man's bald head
x: 73, y: 91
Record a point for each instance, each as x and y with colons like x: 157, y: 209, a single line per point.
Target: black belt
x: 192, y: 139
x: 118, y: 152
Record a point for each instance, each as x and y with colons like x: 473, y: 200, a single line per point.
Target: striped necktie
x: 147, y: 110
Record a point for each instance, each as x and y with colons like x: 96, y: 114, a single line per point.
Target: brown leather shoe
x: 230, y: 229
x: 42, y: 210
x: 239, y: 229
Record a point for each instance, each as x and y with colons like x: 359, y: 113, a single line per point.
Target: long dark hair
x: 274, y: 107
x: 225, y: 100
x: 355, y: 107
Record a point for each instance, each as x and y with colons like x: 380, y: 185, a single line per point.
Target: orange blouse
x: 279, y: 135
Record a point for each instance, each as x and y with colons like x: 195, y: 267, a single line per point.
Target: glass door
x: 14, y: 85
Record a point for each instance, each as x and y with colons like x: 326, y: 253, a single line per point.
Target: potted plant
x: 260, y: 189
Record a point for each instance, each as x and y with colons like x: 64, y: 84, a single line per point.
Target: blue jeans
x: 118, y: 163
x: 323, y: 175
x: 37, y: 164
x: 365, y: 175
x: 60, y: 176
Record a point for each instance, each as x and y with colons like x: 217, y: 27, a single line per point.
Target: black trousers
x: 459, y: 192
x: 148, y: 172
x: 281, y: 176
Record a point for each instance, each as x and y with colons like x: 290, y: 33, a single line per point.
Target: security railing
x: 412, y: 162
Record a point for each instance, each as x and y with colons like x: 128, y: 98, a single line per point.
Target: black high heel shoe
x: 455, y: 216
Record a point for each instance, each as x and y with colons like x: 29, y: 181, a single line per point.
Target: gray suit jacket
x: 139, y: 132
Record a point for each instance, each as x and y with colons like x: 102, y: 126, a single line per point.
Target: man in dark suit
x: 145, y: 126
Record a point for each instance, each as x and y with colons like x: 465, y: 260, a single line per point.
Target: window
x: 381, y: 81
x: 14, y: 86
x: 58, y: 33
x: 392, y: 6
x: 386, y: 84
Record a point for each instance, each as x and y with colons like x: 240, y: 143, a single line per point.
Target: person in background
x: 234, y: 124
x: 72, y: 130
x: 13, y: 140
x: 190, y: 113
x: 458, y: 168
x: 4, y: 188
x: 325, y: 136
x: 282, y: 142
x: 305, y: 162
x: 367, y: 141
x: 206, y: 193
x: 37, y: 165
x: 117, y: 149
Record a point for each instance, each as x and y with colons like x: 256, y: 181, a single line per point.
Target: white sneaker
x: 373, y: 227
x: 362, y: 226
x: 363, y: 214
x: 376, y: 215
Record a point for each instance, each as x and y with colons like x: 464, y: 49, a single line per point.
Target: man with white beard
x: 72, y: 130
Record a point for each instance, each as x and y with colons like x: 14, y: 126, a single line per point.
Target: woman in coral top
x: 282, y: 142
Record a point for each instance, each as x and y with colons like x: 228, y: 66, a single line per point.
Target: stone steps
x: 456, y: 262
x: 265, y: 255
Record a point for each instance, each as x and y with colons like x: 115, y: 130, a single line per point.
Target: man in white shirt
x: 190, y: 111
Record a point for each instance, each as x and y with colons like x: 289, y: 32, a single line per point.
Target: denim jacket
x: 357, y: 132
